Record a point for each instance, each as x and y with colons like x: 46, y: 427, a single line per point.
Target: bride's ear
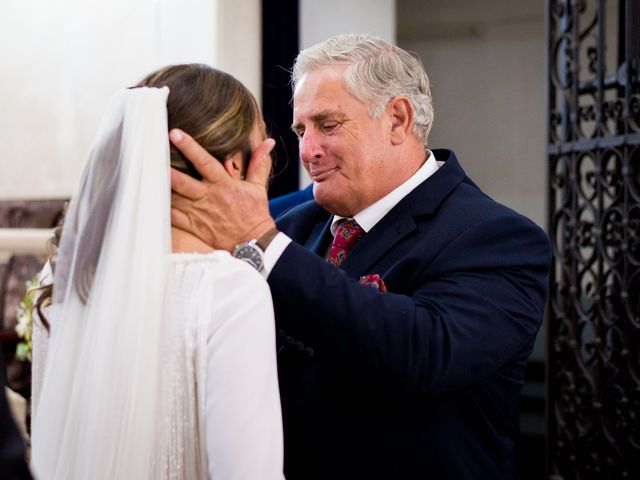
x: 233, y: 165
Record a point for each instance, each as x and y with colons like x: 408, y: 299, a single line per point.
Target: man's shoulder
x: 459, y: 196
x: 449, y: 205
x: 472, y: 205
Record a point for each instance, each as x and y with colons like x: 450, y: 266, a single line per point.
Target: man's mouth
x: 319, y: 176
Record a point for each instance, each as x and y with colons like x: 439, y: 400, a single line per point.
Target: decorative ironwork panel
x: 593, y: 149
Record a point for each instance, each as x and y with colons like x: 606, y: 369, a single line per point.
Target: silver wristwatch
x: 251, y: 253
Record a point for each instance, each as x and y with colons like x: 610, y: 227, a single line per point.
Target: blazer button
x: 299, y: 346
x: 282, y: 333
x: 290, y: 340
x: 309, y: 352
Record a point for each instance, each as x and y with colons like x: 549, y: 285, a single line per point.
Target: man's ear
x: 233, y: 165
x: 401, y: 114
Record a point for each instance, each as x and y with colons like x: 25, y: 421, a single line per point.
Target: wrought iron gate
x: 593, y: 150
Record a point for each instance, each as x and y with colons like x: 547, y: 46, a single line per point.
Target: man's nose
x: 310, y: 148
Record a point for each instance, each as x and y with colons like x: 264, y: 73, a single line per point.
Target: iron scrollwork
x: 593, y: 152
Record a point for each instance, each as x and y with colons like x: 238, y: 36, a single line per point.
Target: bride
x: 161, y: 357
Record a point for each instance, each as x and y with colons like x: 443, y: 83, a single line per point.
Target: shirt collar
x: 371, y: 215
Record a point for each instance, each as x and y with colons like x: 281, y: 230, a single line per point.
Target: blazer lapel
x: 380, y: 239
x: 320, y: 238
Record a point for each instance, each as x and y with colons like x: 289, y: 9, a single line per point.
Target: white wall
x: 62, y: 61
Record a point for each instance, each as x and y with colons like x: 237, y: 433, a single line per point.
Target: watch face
x: 251, y: 255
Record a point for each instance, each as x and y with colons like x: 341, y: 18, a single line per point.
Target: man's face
x: 344, y: 150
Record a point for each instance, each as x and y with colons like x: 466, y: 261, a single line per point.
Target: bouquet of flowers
x: 24, y: 316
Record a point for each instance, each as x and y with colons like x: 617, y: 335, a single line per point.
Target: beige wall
x: 239, y: 38
x: 486, y: 65
x: 320, y: 20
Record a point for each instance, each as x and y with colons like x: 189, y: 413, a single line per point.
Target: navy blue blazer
x: 280, y: 205
x: 423, y: 381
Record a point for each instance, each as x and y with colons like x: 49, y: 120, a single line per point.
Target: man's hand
x: 220, y: 210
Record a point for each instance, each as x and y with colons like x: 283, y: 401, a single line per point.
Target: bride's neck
x: 185, y: 242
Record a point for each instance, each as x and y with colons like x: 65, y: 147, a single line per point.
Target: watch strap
x: 264, y: 241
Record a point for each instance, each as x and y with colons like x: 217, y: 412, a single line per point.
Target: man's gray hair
x: 377, y: 72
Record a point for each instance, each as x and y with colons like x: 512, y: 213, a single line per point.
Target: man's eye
x: 299, y: 133
x: 328, y: 126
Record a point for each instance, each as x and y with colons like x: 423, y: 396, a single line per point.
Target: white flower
x: 23, y: 326
x: 24, y: 316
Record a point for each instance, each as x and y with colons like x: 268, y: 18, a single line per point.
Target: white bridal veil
x: 99, y: 408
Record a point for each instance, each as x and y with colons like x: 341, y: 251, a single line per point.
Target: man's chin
x: 333, y: 205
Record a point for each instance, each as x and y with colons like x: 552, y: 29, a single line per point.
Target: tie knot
x: 349, y: 230
x: 347, y: 235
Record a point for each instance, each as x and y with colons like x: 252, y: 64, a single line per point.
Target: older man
x: 407, y: 300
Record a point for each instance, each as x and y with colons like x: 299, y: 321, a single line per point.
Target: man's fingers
x: 186, y: 185
x: 210, y: 168
x: 180, y: 220
x: 179, y: 212
x: 180, y: 202
x: 260, y: 164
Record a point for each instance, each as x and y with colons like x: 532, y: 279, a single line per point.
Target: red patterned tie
x: 347, y: 235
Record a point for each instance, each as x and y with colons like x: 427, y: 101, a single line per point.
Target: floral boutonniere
x: 24, y: 315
